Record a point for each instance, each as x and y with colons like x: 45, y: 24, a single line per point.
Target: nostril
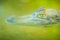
x: 11, y: 20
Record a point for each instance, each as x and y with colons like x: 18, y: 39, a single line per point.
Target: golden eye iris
x: 41, y: 16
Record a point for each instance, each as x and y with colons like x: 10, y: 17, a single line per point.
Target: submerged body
x: 42, y: 16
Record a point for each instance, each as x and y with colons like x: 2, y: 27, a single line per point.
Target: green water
x: 25, y: 32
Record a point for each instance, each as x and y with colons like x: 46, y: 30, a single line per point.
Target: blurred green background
x: 26, y: 7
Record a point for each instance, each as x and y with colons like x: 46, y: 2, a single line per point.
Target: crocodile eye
x: 41, y: 16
